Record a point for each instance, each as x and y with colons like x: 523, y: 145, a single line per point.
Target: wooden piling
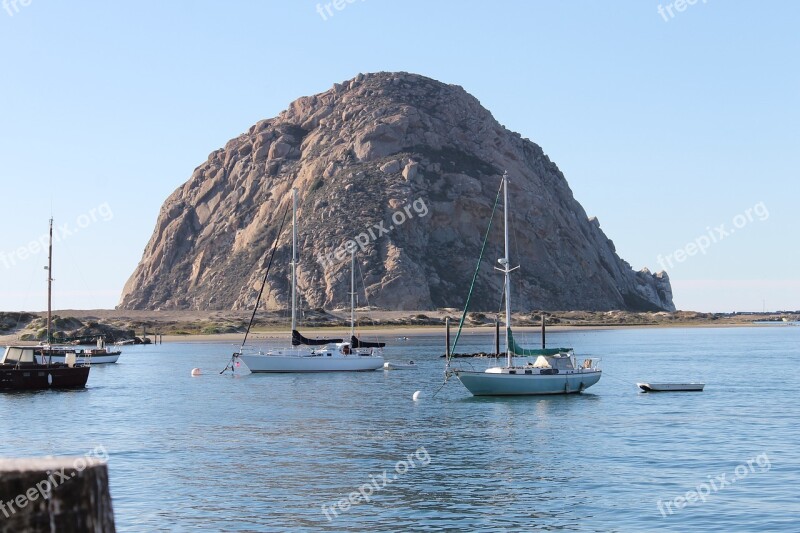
x: 68, y: 492
x: 543, y: 334
x: 497, y: 338
x: 447, y: 337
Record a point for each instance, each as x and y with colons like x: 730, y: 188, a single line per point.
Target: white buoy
x: 196, y: 372
x: 417, y: 395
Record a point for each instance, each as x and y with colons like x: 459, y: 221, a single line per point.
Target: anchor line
x: 447, y: 375
x: 260, y: 293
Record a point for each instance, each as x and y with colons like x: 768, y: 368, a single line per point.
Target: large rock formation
x: 408, y: 167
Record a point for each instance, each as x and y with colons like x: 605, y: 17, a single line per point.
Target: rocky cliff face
x: 407, y: 169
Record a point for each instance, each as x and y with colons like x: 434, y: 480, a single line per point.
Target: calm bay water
x: 267, y: 452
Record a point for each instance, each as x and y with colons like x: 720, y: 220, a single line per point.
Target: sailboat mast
x: 507, y: 268
x: 294, y: 259
x: 50, y: 284
x: 352, y: 293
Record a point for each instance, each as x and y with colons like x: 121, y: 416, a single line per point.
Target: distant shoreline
x: 412, y: 331
x: 229, y: 326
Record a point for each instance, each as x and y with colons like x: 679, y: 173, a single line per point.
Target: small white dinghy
x: 671, y: 387
x: 389, y: 365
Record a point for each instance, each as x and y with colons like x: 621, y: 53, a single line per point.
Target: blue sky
x: 666, y: 127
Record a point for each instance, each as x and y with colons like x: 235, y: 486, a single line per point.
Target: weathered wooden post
x: 496, y: 337
x: 447, y: 337
x: 67, y: 494
x: 543, y: 343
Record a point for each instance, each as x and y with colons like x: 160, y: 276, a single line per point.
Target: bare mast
x: 352, y: 293
x: 49, y: 269
x: 294, y: 260
x: 507, y: 270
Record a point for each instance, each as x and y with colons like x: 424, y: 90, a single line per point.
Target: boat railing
x: 591, y: 363
x: 249, y: 349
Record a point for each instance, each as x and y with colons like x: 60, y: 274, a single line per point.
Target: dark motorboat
x: 19, y: 370
x: 19, y: 367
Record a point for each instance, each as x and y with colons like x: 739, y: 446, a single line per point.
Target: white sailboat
x: 554, y: 371
x: 309, y: 355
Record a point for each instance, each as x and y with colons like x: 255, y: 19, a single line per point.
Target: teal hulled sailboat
x: 554, y: 371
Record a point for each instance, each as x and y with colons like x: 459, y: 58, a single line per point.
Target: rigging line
x: 621, y: 380
x: 514, y: 242
x: 475, y: 275
x: 354, y: 290
x: 366, y: 299
x: 523, y: 335
x: 260, y: 292
x: 264, y: 282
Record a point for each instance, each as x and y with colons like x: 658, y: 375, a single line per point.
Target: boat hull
x: 388, y: 365
x: 38, y: 377
x: 58, y: 354
x: 671, y: 387
x: 85, y: 359
x: 504, y: 384
x: 278, y: 364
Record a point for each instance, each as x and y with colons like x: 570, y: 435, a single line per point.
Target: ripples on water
x: 266, y: 452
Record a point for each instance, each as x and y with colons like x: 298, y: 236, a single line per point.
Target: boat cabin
x: 19, y: 356
x: 346, y: 348
x: 562, y: 362
x: 26, y: 356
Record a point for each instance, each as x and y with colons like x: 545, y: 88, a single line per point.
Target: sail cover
x: 519, y: 350
x: 298, y: 339
x: 355, y: 343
